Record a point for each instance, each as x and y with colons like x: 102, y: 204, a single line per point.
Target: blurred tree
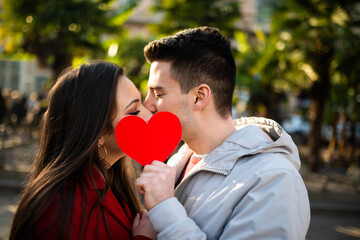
x: 346, y: 85
x: 261, y: 69
x: 56, y: 31
x: 315, y: 27
x: 130, y: 54
x: 181, y: 14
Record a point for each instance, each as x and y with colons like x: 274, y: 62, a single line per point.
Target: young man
x: 233, y: 181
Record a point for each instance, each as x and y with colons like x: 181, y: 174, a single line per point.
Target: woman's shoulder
x: 87, y: 204
x: 93, y: 179
x: 48, y: 224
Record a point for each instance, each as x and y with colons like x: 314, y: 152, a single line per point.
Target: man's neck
x: 210, y: 134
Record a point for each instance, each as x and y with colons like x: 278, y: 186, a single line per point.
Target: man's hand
x: 156, y: 183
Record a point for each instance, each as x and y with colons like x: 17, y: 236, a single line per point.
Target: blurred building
x: 24, y: 76
x: 141, y: 16
x: 255, y: 13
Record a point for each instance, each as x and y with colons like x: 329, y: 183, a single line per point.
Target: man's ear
x: 202, y: 96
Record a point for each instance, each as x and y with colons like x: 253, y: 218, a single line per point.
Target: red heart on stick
x: 146, y: 142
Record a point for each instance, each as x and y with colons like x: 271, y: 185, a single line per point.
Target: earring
x: 104, y: 151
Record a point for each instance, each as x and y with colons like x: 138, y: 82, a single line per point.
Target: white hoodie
x: 247, y: 188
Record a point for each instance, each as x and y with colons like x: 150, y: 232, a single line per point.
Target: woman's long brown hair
x: 81, y: 108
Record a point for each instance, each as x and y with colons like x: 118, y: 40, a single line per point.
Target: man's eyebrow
x: 157, y: 88
x: 133, y: 101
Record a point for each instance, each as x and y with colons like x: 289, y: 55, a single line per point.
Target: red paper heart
x: 146, y: 142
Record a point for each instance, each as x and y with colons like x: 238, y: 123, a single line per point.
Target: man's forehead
x: 160, y: 76
x: 160, y: 83
x: 156, y: 83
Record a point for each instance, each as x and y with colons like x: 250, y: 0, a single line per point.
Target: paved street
x: 335, y: 213
x: 334, y: 227
x: 7, y: 208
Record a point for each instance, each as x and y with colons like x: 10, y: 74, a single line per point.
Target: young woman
x: 80, y: 186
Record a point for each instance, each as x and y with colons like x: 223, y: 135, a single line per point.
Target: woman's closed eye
x: 135, y: 113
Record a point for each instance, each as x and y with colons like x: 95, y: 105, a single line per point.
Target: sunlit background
x: 298, y: 63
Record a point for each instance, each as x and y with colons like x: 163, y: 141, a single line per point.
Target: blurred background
x: 298, y: 63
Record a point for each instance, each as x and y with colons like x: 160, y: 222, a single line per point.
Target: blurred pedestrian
x: 33, y: 109
x: 7, y: 97
x: 18, y: 108
x: 2, y: 107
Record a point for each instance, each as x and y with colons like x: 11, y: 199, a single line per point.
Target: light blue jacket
x: 247, y: 188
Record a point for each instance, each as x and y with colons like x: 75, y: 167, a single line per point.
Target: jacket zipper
x: 197, y: 171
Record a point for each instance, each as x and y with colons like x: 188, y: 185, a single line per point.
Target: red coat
x: 118, y: 219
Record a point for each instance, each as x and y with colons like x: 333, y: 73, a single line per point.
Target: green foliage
x: 56, y: 31
x: 309, y: 42
x: 130, y: 55
x: 260, y: 69
x: 181, y: 14
x: 325, y: 34
x: 345, y: 93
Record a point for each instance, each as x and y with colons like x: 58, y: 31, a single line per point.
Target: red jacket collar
x: 97, y: 177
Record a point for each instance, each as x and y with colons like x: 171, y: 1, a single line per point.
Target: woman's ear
x: 202, y: 96
x: 101, y: 141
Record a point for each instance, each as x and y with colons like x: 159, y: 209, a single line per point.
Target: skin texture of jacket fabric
x: 247, y: 188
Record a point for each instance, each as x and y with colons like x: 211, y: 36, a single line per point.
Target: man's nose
x: 147, y: 115
x: 149, y: 104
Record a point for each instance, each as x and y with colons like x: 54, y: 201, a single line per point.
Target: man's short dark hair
x: 197, y: 56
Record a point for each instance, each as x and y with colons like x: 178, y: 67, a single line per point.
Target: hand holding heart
x: 156, y: 183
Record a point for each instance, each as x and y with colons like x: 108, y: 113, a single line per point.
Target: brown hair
x: 81, y: 109
x: 199, y: 55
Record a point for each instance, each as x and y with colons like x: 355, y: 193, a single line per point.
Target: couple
x: 231, y: 179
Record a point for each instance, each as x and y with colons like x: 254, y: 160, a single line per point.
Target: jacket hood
x: 255, y: 135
